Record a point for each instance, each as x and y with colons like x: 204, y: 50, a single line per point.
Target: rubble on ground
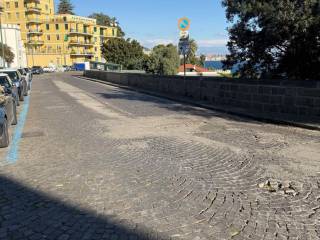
x: 285, y: 187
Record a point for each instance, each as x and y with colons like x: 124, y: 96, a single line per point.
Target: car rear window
x: 22, y: 71
x: 13, y: 75
x: 3, y: 81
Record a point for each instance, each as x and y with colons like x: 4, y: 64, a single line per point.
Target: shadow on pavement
x: 173, y: 105
x: 29, y: 214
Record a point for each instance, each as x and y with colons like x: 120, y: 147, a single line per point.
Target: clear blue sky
x: 153, y: 22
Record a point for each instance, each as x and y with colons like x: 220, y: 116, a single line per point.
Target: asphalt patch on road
x: 32, y: 134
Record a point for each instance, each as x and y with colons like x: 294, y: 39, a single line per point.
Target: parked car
x: 37, y: 70
x: 27, y: 77
x: 9, y: 87
x: 67, y: 68
x: 8, y: 116
x: 28, y: 70
x: 49, y: 69
x: 18, y: 80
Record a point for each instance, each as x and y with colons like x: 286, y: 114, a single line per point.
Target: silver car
x: 19, y: 81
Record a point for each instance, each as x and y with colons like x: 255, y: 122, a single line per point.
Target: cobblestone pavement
x: 98, y: 162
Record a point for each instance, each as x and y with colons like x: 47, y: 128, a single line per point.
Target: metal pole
x: 32, y: 56
x: 2, y: 43
x: 184, y: 64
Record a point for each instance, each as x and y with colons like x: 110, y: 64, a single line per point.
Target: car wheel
x: 15, y: 118
x: 5, y: 135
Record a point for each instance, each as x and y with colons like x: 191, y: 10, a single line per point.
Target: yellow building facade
x: 52, y: 39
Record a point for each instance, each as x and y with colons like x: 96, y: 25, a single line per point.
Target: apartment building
x: 55, y: 39
x: 11, y: 36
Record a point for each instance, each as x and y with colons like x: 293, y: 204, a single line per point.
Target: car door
x: 8, y: 105
x: 13, y: 88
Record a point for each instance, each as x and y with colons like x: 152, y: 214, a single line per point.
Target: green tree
x: 274, y: 38
x: 163, y: 60
x: 128, y: 53
x: 202, y: 60
x: 191, y: 57
x: 105, y: 20
x: 8, y: 54
x: 65, y: 7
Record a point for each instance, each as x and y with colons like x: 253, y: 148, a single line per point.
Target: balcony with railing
x: 81, y: 53
x: 31, y: 1
x: 35, y: 32
x: 33, y: 9
x: 33, y: 20
x: 81, y: 43
x: 35, y: 42
x: 79, y: 32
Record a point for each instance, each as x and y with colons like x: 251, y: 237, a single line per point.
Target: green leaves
x: 128, y: 53
x: 163, y: 60
x: 8, y: 54
x: 105, y: 20
x: 276, y: 38
x: 65, y: 7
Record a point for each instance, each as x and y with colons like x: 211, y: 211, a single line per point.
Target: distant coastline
x: 218, y: 65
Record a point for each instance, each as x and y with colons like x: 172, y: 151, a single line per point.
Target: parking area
x: 98, y: 162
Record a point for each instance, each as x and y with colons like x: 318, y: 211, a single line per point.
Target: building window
x: 16, y: 4
x: 7, y: 5
x: 48, y: 37
x: 9, y: 15
x: 57, y: 26
x: 47, y: 7
x: 48, y: 26
x: 95, y: 29
x: 95, y: 49
x: 113, y: 32
x: 66, y: 26
x: 58, y: 37
x: 17, y: 15
x: 64, y: 19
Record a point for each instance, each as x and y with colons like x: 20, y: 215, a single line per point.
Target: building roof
x: 193, y: 67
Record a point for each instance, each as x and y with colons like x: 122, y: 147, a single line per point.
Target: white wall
x: 11, y: 34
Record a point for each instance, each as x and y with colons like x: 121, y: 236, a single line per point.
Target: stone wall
x: 296, y: 98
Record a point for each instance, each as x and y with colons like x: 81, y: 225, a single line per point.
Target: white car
x: 49, y: 69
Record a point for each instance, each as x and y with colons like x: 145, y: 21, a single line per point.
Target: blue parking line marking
x: 13, y: 153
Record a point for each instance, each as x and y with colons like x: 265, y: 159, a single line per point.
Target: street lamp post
x: 2, y: 42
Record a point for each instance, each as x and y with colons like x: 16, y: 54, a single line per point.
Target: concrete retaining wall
x: 297, y: 98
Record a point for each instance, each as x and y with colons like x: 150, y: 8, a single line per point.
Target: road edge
x: 207, y: 106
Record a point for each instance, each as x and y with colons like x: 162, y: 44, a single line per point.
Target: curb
x: 210, y: 107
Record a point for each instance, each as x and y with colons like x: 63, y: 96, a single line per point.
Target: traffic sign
x: 184, y: 35
x: 184, y: 47
x: 184, y: 24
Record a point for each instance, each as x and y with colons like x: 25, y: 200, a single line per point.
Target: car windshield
x: 13, y: 75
